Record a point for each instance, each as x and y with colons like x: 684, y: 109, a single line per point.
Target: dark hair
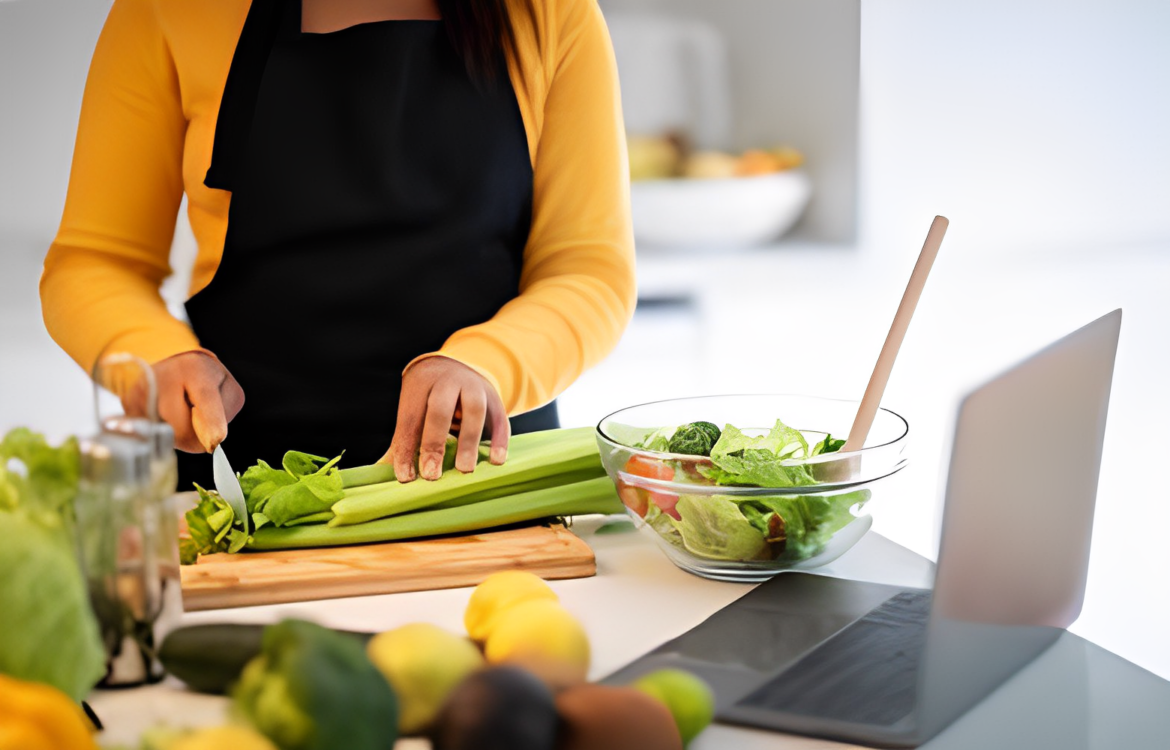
x: 481, y: 32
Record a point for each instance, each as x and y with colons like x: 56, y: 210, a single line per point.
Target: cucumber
x: 209, y: 658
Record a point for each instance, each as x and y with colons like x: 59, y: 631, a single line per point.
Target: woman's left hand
x: 441, y: 396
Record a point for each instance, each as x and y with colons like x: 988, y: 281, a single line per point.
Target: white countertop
x: 1075, y: 695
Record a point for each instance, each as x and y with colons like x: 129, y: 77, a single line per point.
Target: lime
x: 689, y: 699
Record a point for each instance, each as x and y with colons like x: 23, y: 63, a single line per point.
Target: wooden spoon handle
x: 885, y: 362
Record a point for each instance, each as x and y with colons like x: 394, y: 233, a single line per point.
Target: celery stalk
x: 579, y: 498
x: 539, y: 457
x: 583, y: 437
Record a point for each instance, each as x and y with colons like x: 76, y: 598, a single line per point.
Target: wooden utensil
x: 253, y: 578
x: 885, y: 362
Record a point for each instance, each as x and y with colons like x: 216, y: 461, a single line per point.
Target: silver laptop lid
x: 1018, y: 517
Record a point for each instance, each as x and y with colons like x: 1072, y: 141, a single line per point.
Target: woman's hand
x: 442, y: 396
x: 197, y: 397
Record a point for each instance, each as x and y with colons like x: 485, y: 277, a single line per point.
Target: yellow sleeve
x: 100, y: 287
x: 577, y: 289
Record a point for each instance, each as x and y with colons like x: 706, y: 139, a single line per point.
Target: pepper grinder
x: 127, y: 525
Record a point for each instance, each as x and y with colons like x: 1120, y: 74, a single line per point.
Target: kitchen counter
x: 1075, y: 695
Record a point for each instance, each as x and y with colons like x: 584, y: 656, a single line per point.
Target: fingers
x: 436, y: 426
x: 412, y: 409
x: 175, y: 411
x: 440, y: 396
x: 197, y: 396
x: 500, y: 426
x: 474, y: 412
x: 208, y: 418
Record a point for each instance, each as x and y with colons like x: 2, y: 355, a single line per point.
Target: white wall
x: 45, y: 49
x: 1032, y: 124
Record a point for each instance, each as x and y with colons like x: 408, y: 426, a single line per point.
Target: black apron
x: 381, y: 201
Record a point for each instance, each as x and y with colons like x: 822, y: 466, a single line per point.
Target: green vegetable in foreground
x: 315, y: 689
x: 48, y: 632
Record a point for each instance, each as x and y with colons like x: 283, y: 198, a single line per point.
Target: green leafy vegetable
x: 828, y: 445
x: 212, y: 528
x: 788, y: 527
x: 741, y: 459
x: 657, y: 440
x: 694, y: 439
x: 49, y: 633
x: 714, y: 526
x: 49, y: 481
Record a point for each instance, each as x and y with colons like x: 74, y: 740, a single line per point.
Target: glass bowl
x: 751, y: 533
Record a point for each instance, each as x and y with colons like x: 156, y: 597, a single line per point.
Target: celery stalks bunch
x: 309, y: 502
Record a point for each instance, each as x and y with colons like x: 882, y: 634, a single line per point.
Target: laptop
x: 888, y: 666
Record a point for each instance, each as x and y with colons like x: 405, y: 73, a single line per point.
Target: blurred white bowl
x: 717, y: 214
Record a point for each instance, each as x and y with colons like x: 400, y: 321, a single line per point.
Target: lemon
x: 423, y: 663
x: 498, y: 592
x: 236, y: 737
x: 542, y: 637
x: 689, y: 699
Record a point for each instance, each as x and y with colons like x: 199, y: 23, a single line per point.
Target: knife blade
x: 228, y: 486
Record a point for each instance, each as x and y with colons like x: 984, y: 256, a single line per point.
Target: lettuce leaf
x: 658, y: 440
x: 50, y: 634
x: 744, y: 460
x: 49, y: 481
x: 212, y: 528
x: 302, y: 491
x: 783, y: 528
x: 713, y: 526
x: 805, y: 522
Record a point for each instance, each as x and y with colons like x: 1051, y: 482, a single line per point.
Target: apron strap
x: 234, y: 123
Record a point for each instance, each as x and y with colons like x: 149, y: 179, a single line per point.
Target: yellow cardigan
x: 145, y: 136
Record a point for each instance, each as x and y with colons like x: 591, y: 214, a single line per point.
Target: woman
x: 412, y: 218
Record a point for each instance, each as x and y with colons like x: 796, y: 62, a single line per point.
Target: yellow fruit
x: 652, y: 158
x: 756, y: 162
x: 788, y: 158
x: 542, y: 637
x: 217, y: 738
x: 498, y: 592
x: 423, y: 663
x: 710, y: 165
x: 35, y: 716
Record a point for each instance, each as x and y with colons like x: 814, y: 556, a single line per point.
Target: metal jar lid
x: 111, y: 458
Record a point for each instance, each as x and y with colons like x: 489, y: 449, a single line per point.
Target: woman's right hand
x: 197, y: 397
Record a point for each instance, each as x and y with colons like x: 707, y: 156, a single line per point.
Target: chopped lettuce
x: 741, y: 459
x: 787, y: 527
x: 658, y: 440
x: 778, y: 528
x: 302, y: 491
x: 828, y: 445
x: 212, y: 527
x: 713, y: 526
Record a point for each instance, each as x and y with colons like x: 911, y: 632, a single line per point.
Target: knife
x: 227, y: 484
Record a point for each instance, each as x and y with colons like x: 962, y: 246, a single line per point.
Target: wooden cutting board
x: 253, y: 578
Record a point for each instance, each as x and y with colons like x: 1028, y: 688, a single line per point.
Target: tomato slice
x: 641, y: 466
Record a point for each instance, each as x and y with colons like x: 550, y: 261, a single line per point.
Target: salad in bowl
x: 743, y: 487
